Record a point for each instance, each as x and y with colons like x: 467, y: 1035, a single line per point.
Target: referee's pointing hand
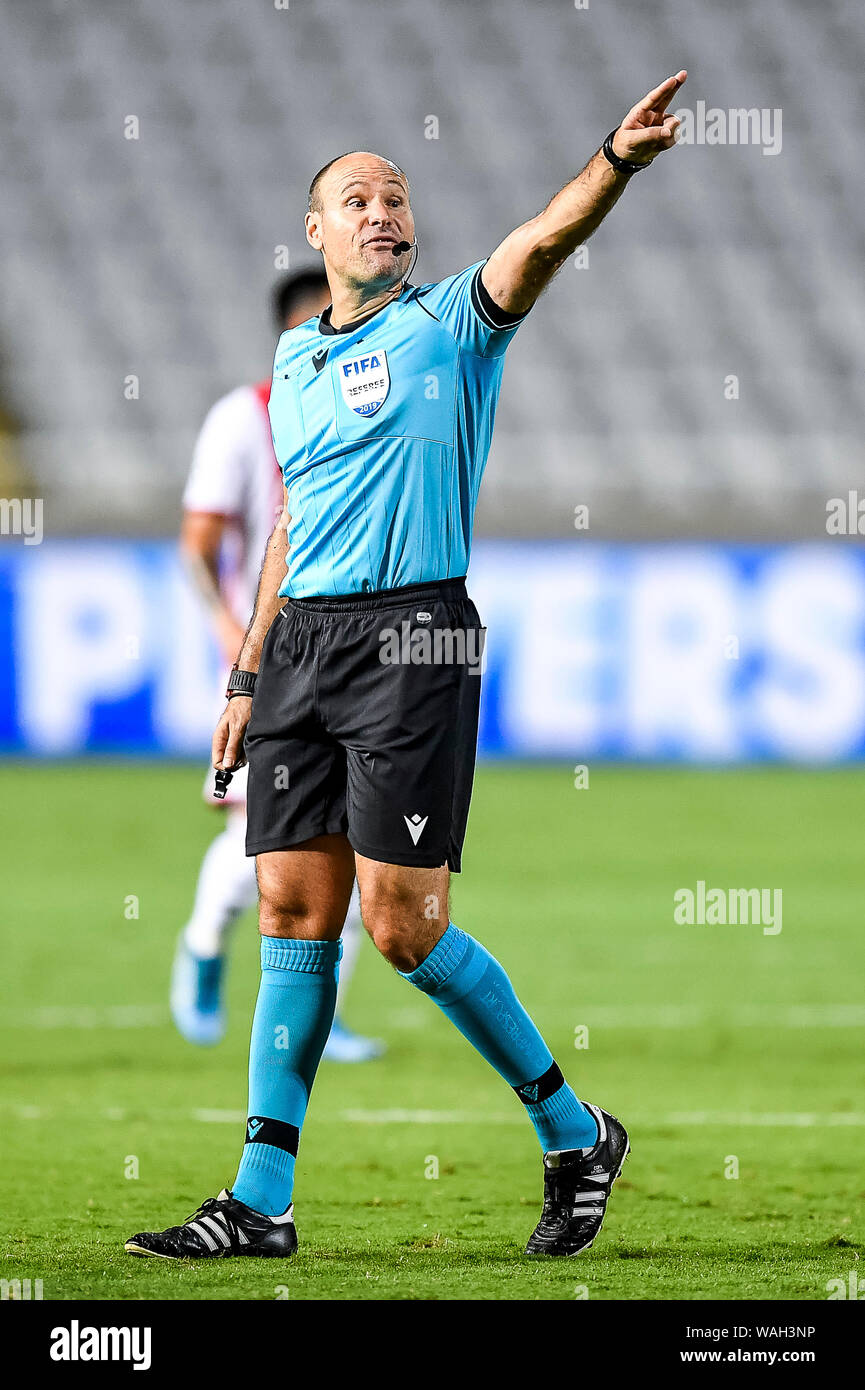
x: 647, y: 130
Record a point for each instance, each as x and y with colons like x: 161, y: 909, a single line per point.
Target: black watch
x: 241, y: 682
x: 624, y: 166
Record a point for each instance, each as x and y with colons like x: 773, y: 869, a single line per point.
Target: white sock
x: 226, y: 888
x: 352, y: 935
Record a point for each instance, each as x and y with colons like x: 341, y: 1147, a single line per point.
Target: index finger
x: 660, y: 98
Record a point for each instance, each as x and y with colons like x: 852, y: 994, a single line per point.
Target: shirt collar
x: 325, y: 326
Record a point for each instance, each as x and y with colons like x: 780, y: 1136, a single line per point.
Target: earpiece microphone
x: 400, y: 248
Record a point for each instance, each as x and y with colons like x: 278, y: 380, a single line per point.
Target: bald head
x: 354, y: 161
x: 359, y: 213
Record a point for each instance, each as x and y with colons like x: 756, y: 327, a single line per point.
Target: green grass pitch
x: 722, y: 1049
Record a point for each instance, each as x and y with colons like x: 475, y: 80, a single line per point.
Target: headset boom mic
x: 401, y: 247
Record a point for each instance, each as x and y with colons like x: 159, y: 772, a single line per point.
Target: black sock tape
x: 533, y: 1092
x: 261, y: 1130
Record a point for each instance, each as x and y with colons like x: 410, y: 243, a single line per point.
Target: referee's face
x: 363, y: 211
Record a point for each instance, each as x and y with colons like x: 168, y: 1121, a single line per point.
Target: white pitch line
x: 736, y: 1015
x: 48, y: 1017
x: 790, y: 1119
x: 686, y: 1118
x: 430, y: 1117
x: 51, y: 1017
x: 666, y: 1016
x: 689, y: 1119
x: 220, y: 1117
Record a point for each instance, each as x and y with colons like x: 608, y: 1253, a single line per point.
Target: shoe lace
x: 207, y: 1208
x: 564, y: 1184
x: 210, y: 1207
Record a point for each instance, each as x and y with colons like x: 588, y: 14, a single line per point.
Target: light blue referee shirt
x: 382, y: 433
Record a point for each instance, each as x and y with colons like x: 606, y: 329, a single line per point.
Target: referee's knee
x: 298, y: 922
x: 401, y: 909
x: 399, y: 945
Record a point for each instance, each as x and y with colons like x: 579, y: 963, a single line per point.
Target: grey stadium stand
x: 153, y: 257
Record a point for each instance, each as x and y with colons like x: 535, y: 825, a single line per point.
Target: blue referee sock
x: 293, y: 1016
x: 472, y: 989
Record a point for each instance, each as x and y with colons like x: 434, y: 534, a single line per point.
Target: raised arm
x: 228, y: 737
x: 523, y: 265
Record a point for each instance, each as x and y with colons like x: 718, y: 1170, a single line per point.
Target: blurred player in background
x: 232, y: 499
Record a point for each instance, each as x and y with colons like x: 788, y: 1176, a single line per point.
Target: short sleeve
x: 464, y: 306
x: 218, y: 475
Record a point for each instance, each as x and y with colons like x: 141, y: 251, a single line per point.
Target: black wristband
x: 624, y: 166
x: 241, y: 683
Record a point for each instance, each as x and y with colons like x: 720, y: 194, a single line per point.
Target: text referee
x: 361, y: 748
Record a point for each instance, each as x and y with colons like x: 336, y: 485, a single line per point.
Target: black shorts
x: 364, y: 723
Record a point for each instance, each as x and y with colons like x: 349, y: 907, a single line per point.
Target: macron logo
x: 415, y: 826
x: 253, y: 1126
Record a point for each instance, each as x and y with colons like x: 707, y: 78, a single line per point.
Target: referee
x: 355, y: 694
